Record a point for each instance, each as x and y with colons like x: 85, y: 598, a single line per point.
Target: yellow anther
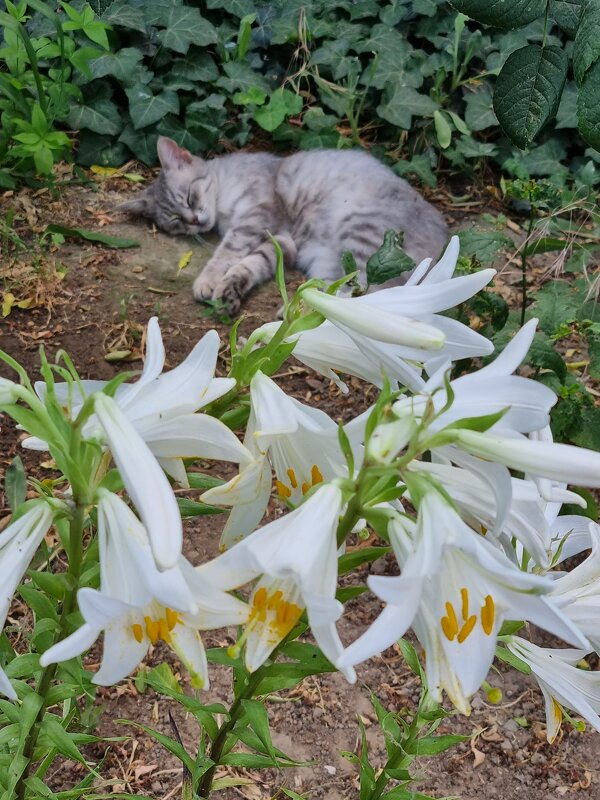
x: 282, y: 489
x: 138, y: 632
x: 449, y: 623
x: 316, y: 475
x: 293, y: 479
x: 172, y: 618
x: 152, y: 629
x: 275, y: 599
x: 466, y: 629
x: 465, y: 603
x: 488, y: 613
x: 305, y: 488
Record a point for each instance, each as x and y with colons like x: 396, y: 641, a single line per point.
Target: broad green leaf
x: 102, y: 116
x: 15, y: 483
x: 505, y: 14
x: 479, y: 111
x: 184, y: 26
x: 124, y: 65
x: 147, y: 108
x: 485, y: 246
x: 403, y: 104
x: 586, y: 50
x: 282, y: 104
x: 528, y: 91
x: 123, y: 14
x: 419, y: 165
x: 567, y: 14
x: 588, y: 107
x: 390, y: 261
x: 116, y: 242
x: 95, y: 148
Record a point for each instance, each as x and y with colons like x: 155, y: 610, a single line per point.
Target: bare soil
x: 97, y: 312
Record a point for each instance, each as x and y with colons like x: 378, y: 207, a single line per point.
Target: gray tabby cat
x: 317, y: 204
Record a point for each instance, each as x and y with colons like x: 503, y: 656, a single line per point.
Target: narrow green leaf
x: 528, y: 91
x: 116, y: 242
x: 443, y: 131
x: 259, y: 722
x: 15, y: 483
x: 192, y: 508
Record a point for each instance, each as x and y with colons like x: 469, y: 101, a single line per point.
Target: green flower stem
x: 218, y: 744
x: 45, y: 684
x: 524, y: 264
x: 402, y: 759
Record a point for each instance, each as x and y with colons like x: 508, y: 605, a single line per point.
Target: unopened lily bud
x: 389, y: 439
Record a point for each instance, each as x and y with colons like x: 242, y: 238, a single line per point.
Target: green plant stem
x: 524, y: 266
x: 218, y: 744
x: 45, y: 683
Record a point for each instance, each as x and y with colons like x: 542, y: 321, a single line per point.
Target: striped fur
x: 317, y: 203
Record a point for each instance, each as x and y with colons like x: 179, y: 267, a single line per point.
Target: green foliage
x: 43, y: 52
x: 316, y: 74
x: 531, y: 81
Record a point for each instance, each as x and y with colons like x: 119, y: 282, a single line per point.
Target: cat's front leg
x: 235, y: 245
x: 251, y: 271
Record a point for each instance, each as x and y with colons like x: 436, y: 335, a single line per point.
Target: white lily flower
x: 562, y: 684
x: 161, y: 406
x: 19, y: 542
x: 456, y: 590
x: 489, y: 390
x: 302, y: 445
x: 144, y: 480
x: 578, y: 591
x: 297, y: 559
x: 138, y: 604
x: 523, y: 519
x: 560, y: 462
x: 393, y: 332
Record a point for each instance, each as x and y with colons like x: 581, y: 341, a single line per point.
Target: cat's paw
x: 203, y: 288
x: 230, y: 293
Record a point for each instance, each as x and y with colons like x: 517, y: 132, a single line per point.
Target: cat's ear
x: 171, y: 155
x: 141, y: 205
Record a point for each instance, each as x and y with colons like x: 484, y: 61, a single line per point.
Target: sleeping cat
x: 317, y: 203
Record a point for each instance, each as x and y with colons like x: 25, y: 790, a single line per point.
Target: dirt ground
x: 93, y: 302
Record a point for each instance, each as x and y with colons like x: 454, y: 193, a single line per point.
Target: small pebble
x: 329, y: 769
x: 538, y: 758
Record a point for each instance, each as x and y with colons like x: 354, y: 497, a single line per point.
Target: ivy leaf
x: 566, y: 14
x: 528, y: 91
x: 405, y: 103
x: 586, y: 50
x: 505, y: 14
x: 389, y: 261
x: 101, y: 117
x: 147, y: 108
x: 483, y: 245
x: 419, y: 165
x: 479, y: 111
x: 124, y: 65
x: 588, y: 107
x: 125, y: 15
x: 282, y: 104
x: 95, y: 148
x: 185, y: 26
